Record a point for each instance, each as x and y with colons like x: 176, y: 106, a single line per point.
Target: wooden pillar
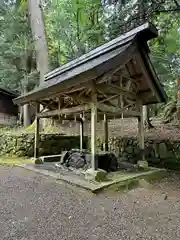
x: 105, y: 133
x: 81, y: 128
x: 36, y: 138
x: 93, y: 135
x: 141, y: 132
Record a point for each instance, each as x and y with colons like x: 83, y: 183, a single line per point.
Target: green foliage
x: 17, y: 58
x: 165, y: 52
x: 74, y: 27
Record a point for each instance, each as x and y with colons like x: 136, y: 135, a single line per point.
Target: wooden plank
x: 37, y: 136
x: 114, y: 89
x: 105, y: 133
x: 116, y: 110
x: 77, y: 109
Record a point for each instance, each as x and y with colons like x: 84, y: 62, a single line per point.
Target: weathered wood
x: 108, y: 75
x: 93, y: 130
x: 81, y: 74
x: 122, y: 115
x: 78, y: 98
x: 141, y: 131
x: 131, y: 79
x: 77, y: 109
x: 105, y: 133
x: 37, y: 135
x: 81, y: 128
x: 102, y: 64
x: 111, y: 109
x: 114, y: 89
x: 146, y: 95
x: 146, y: 74
x: 109, y: 98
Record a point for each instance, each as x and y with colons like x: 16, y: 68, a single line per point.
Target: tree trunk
x: 26, y: 112
x: 38, y: 32
x: 39, y: 36
x: 146, y: 116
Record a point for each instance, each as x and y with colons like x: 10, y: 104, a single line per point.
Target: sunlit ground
x: 13, y: 160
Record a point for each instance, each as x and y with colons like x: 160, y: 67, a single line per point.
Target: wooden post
x: 141, y: 132
x: 105, y: 133
x: 81, y: 134
x: 36, y: 139
x: 93, y: 135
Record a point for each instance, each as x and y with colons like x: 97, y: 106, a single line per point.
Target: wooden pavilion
x: 111, y: 81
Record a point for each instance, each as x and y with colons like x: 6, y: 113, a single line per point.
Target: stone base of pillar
x: 98, y: 175
x: 38, y: 161
x: 142, y: 164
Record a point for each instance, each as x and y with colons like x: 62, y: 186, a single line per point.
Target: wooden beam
x: 105, y: 133
x: 67, y: 111
x: 141, y: 132
x: 116, y: 110
x: 93, y: 130
x: 80, y: 98
x: 114, y: 89
x: 129, y: 78
x: 36, y: 138
x: 146, y: 74
x: 108, y: 75
x: 108, y: 98
x: 81, y: 126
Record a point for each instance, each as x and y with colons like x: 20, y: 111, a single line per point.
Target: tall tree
x: 17, y: 59
x: 38, y: 32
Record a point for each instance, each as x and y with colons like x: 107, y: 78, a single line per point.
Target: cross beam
x: 67, y: 111
x: 116, y: 110
x: 114, y: 89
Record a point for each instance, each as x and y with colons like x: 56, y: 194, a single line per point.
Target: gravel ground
x: 34, y: 207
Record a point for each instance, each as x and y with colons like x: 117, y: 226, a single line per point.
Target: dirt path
x: 33, y: 207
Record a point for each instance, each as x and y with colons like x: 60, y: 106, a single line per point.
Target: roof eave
x: 155, y: 79
x: 8, y: 92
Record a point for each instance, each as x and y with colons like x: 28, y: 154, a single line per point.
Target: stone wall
x: 6, y: 119
x: 162, y: 153
x: 23, y: 145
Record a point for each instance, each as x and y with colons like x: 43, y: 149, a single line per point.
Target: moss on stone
x: 6, y: 160
x: 38, y: 161
x: 124, y: 185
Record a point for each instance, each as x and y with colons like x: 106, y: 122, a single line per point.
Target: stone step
x: 51, y: 158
